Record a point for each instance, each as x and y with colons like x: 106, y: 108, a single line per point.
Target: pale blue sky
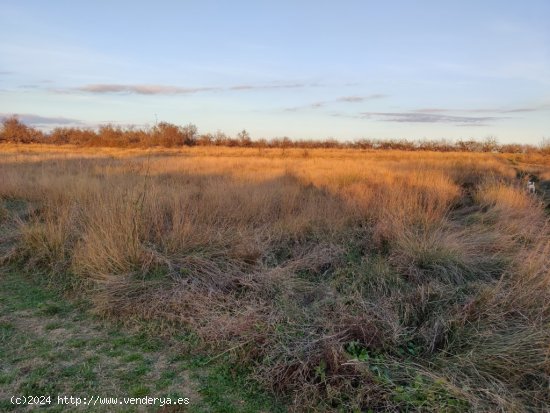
x: 305, y: 69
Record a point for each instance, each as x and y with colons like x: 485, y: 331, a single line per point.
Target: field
x: 323, y: 279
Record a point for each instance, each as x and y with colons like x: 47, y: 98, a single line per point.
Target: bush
x: 17, y: 132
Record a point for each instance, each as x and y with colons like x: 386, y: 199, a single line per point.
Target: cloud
x: 526, y: 109
x: 353, y: 99
x: 534, y: 108
x: 271, y: 86
x: 420, y: 117
x: 445, y: 115
x: 317, y: 105
x: 500, y: 110
x: 431, y: 110
x: 37, y: 120
x: 29, y: 86
x: 147, y: 89
x: 346, y: 99
x: 140, y: 89
x: 242, y: 87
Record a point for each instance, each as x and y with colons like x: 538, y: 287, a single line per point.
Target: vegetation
x: 168, y: 135
x: 338, y: 279
x: 52, y: 346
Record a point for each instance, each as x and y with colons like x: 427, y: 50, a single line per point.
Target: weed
x: 385, y: 280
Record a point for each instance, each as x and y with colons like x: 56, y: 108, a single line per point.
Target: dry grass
x: 348, y: 279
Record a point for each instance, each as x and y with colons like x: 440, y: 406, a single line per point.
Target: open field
x: 338, y: 280
x: 54, y: 346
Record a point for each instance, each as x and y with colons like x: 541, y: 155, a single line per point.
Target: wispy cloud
x: 534, y: 108
x: 501, y: 110
x: 271, y: 86
x: 521, y: 110
x: 37, y: 120
x: 431, y: 110
x: 420, y: 117
x: 141, y: 89
x: 345, y: 99
x: 29, y: 86
x: 357, y: 99
x: 459, y: 117
x: 153, y: 89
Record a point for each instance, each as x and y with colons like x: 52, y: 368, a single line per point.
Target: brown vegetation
x: 168, y: 135
x: 384, y: 280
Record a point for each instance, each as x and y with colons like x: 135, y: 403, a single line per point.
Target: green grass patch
x: 78, y: 353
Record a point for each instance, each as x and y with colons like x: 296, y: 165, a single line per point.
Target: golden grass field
x: 346, y: 279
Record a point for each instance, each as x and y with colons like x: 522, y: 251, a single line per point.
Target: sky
x: 305, y: 69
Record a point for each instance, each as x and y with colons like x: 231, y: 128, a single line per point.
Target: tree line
x: 165, y: 134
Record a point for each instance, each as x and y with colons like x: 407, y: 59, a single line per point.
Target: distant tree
x: 363, y: 144
x: 220, y: 138
x: 61, y: 136
x: 16, y: 131
x: 545, y: 146
x: 286, y: 142
x: 231, y: 142
x: 243, y: 138
x: 425, y: 145
x: 136, y: 137
x: 206, y: 139
x: 469, y: 146
x: 262, y: 143
x: 167, y: 134
x: 384, y: 144
x: 330, y: 143
x: 189, y: 133
x: 109, y: 135
x: 511, y: 148
x: 489, y: 144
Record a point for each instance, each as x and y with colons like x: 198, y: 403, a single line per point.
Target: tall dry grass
x: 347, y: 279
